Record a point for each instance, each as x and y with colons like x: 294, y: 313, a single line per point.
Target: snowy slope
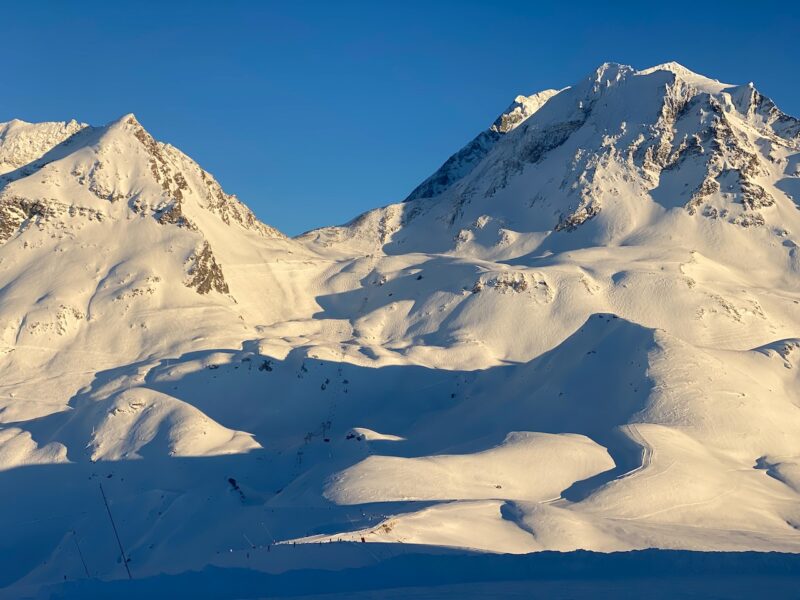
x: 582, y: 331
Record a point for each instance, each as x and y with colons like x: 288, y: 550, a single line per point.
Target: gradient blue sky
x: 313, y: 112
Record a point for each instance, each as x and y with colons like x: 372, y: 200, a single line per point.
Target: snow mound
x: 142, y: 423
x: 526, y: 465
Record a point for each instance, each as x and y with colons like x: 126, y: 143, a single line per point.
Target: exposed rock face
x: 232, y: 211
x: 168, y: 167
x: 455, y: 167
x: 173, y: 214
x: 205, y: 274
x: 18, y: 214
x: 533, y: 284
x: 730, y: 156
x: 570, y: 222
x: 462, y: 162
x: 15, y: 212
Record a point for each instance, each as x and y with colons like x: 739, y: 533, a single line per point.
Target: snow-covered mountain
x: 582, y: 331
x: 115, y: 247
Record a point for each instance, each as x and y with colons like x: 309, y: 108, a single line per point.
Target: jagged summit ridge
x: 522, y: 108
x: 611, y: 154
x: 102, y: 159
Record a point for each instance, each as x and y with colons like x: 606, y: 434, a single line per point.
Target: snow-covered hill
x: 582, y: 331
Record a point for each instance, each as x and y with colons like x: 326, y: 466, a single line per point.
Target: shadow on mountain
x: 791, y: 187
x: 661, y: 574
x: 417, y: 284
x: 185, y: 511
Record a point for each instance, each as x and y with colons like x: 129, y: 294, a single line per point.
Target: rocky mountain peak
x: 613, y: 154
x: 118, y: 165
x: 73, y: 185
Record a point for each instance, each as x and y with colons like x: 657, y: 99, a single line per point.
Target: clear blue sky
x: 313, y: 112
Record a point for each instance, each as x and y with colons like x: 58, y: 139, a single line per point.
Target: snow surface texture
x: 583, y: 331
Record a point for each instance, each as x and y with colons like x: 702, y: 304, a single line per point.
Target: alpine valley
x: 581, y: 332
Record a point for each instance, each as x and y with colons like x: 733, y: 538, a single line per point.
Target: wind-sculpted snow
x: 581, y: 332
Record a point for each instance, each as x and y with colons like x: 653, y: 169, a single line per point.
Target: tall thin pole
x: 116, y: 533
x: 75, y: 539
